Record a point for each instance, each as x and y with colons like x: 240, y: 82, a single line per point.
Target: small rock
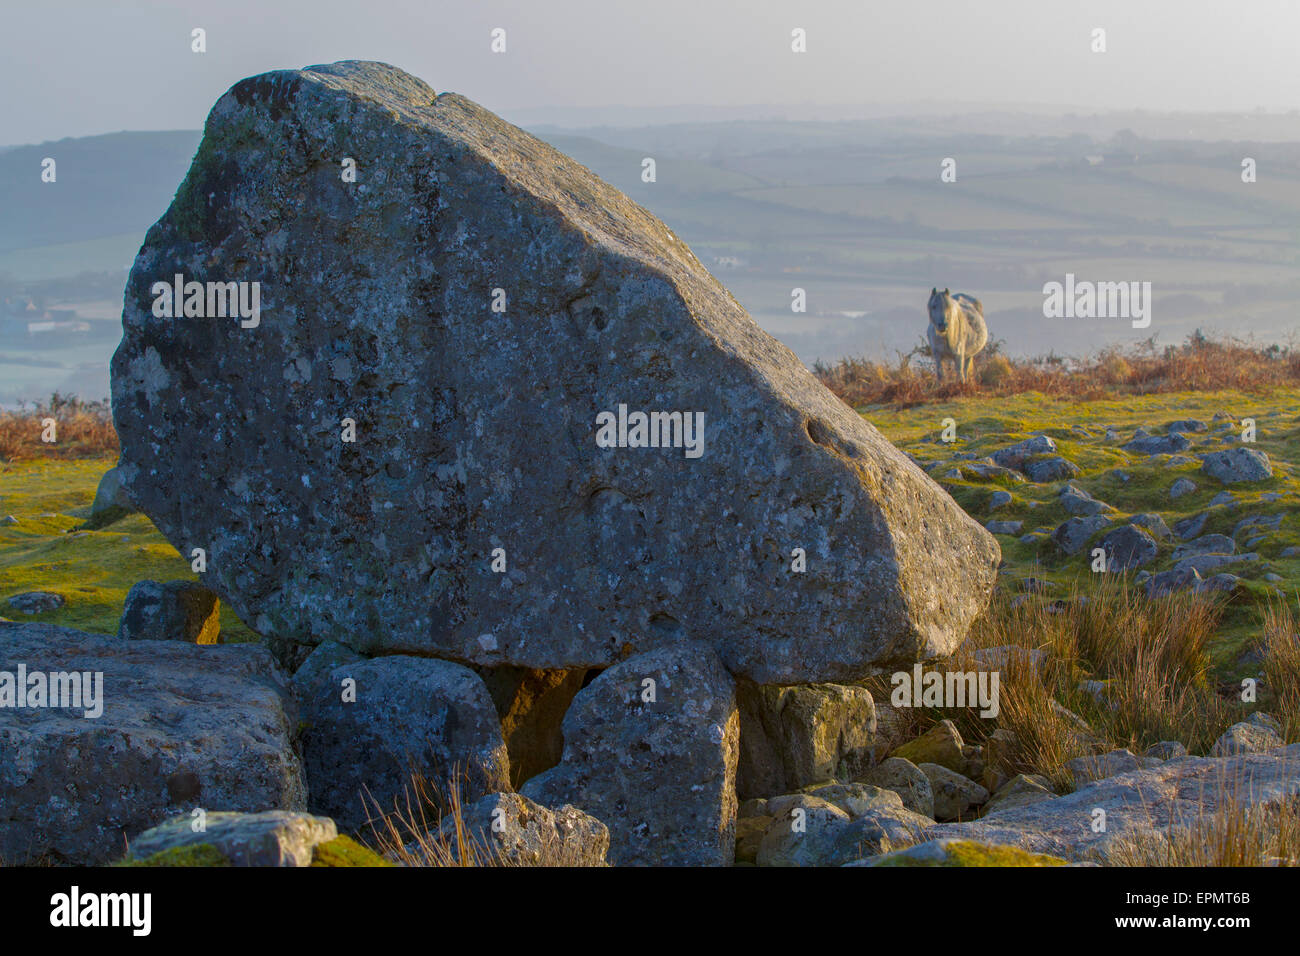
x: 1053, y: 468
x: 1020, y: 791
x: 1076, y: 501
x: 954, y: 794
x: 1223, y: 499
x: 171, y: 611
x: 1165, y: 750
x: 1219, y: 582
x: 825, y: 835
x: 1246, y: 738
x: 1152, y: 522
x: 999, y: 499
x: 1204, y: 563
x: 905, y: 779
x: 1206, y: 544
x: 1186, y: 425
x: 1128, y: 547
x: 511, y: 827
x: 1191, y: 527
x: 111, y: 496
x: 1183, y: 486
x: 1237, y: 465
x: 1004, y: 527
x: 1158, y: 444
x: 36, y: 602
x: 273, y: 838
x: 1071, y: 535
x: 941, y: 744
x: 1016, y: 455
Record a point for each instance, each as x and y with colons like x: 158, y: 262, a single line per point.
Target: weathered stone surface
x: 941, y: 744
x: 1159, y: 444
x: 181, y: 727
x: 1076, y: 501
x: 406, y: 714
x: 954, y: 794
x: 1153, y: 523
x: 171, y: 611
x: 1236, y: 465
x: 1128, y: 547
x: 794, y: 736
x: 36, y: 602
x: 477, y: 429
x: 1247, y: 737
x: 1182, y: 486
x: 809, y: 830
x: 272, y: 838
x: 905, y: 779
x: 1098, y: 767
x: 1206, y: 544
x: 1175, y: 793
x: 656, y: 762
x: 1175, y: 579
x: 111, y: 498
x: 514, y: 828
x: 1051, y: 468
x: 749, y: 837
x: 1015, y: 456
x: 959, y: 853
x: 1165, y: 750
x: 1071, y: 536
x: 1003, y: 527
x: 532, y: 705
x: 1020, y: 791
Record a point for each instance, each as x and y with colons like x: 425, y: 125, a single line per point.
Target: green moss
x: 345, y: 851
x: 965, y: 853
x: 197, y: 854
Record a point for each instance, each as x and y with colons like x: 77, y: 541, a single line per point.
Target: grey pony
x: 957, y: 331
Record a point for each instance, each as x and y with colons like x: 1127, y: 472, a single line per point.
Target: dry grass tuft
x: 1232, y: 835
x: 1281, y: 648
x: 410, y: 834
x: 1151, y: 656
x: 82, y: 430
x: 1200, y: 363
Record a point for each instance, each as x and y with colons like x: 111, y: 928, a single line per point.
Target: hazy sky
x: 76, y: 68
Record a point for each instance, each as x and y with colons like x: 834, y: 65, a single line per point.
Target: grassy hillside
x: 1132, y: 483
x: 46, y: 548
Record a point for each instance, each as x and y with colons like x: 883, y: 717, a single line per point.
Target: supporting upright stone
x: 650, y: 749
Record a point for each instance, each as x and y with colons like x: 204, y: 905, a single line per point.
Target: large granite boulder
x: 370, y: 725
x: 650, y: 748
x: 480, y: 309
x: 167, y: 727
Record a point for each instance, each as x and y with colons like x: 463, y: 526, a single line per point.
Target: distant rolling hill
x: 853, y: 213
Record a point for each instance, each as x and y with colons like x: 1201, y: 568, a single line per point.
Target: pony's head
x: 939, y: 304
